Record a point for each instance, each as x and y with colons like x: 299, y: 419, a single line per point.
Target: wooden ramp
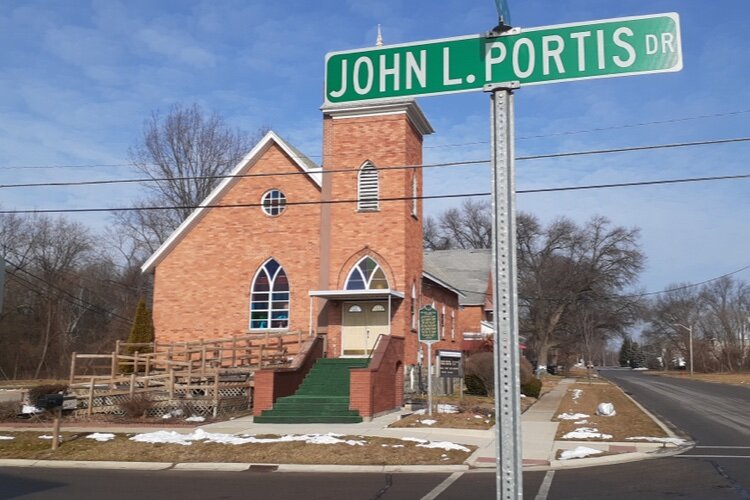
x: 204, y: 377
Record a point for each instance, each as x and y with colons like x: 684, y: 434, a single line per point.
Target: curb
x: 231, y: 467
x: 72, y: 464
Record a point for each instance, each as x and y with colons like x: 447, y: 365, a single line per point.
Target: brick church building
x: 332, y: 250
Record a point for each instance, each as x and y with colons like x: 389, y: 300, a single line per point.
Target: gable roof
x: 313, y: 171
x: 466, y: 270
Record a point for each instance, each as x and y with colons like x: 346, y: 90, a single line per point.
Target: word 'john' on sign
x: 615, y: 47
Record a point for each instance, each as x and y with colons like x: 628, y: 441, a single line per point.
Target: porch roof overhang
x: 357, y: 294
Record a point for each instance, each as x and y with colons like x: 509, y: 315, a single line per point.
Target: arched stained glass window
x: 269, y: 301
x: 366, y: 275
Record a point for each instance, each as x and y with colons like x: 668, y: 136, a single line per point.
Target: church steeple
x: 379, y: 39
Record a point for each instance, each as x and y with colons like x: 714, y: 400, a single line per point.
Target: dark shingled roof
x: 466, y: 270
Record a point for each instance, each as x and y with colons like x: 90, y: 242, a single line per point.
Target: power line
x: 632, y: 296
x: 398, y: 198
x: 631, y: 184
x: 437, y: 146
x: 399, y: 167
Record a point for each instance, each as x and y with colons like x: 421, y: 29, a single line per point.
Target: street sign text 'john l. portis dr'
x: 597, y: 49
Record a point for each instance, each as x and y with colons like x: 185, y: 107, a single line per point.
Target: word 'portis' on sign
x: 598, y: 49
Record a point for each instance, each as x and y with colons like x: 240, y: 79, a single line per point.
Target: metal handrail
x: 375, y: 346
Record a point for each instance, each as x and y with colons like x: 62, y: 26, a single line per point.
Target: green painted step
x: 278, y: 419
x: 323, y: 397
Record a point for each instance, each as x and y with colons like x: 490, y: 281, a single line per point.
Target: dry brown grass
x: 629, y: 421
x: 471, y: 407
x: 76, y: 447
x: 736, y: 378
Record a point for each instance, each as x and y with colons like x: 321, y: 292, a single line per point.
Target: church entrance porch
x: 361, y: 324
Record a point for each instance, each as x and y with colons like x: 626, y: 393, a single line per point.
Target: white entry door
x: 361, y: 324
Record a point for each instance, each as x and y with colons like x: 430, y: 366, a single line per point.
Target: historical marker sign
x: 429, y: 330
x: 596, y: 49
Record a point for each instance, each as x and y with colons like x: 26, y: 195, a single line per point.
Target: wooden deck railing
x: 203, y: 365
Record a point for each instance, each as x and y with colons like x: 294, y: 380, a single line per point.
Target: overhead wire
x: 436, y: 146
x: 397, y: 167
x: 384, y: 199
x: 79, y: 301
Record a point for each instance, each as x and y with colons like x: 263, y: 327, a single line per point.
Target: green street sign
x: 596, y: 49
x: 428, y: 325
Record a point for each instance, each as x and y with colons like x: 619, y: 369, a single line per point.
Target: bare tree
x: 467, y: 227
x: 717, y: 314
x: 564, y: 265
x: 185, y: 153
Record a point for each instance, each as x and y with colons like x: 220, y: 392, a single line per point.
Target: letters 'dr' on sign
x: 594, y: 49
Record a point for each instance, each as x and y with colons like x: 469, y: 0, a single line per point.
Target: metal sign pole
x: 506, y: 346
x: 429, y: 378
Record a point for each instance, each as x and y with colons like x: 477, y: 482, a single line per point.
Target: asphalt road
x: 717, y: 417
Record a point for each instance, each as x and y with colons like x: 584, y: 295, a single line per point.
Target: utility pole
x: 690, y: 348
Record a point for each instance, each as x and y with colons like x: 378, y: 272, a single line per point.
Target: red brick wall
x: 432, y: 293
x: 380, y: 386
x: 202, y: 287
x: 470, y: 318
x: 391, y: 235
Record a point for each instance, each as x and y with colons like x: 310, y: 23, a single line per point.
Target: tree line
x: 579, y: 296
x: 69, y: 288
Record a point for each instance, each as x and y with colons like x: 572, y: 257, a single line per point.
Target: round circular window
x: 273, y: 202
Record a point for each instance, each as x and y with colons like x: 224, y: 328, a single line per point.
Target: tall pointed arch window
x: 366, y: 275
x: 368, y: 187
x: 269, y: 300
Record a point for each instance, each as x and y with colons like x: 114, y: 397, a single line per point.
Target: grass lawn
x: 629, y: 421
x: 374, y: 451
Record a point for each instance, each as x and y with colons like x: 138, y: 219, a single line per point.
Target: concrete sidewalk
x: 537, y: 434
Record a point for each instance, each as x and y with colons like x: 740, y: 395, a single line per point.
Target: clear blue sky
x: 77, y: 79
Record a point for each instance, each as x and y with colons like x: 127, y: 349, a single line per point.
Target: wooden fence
x: 204, y: 372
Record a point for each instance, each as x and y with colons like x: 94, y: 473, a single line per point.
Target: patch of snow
x: 577, y: 394
x: 572, y: 416
x: 581, y: 422
x: 6, y: 438
x: 48, y: 436
x: 441, y: 408
x: 478, y: 416
x: 579, y: 452
x: 164, y: 437
x: 172, y: 437
x: 642, y: 369
x: 427, y: 421
x: 195, y: 418
x: 675, y: 441
x: 392, y: 445
x: 586, y: 433
x: 166, y: 416
x: 102, y: 437
x: 606, y: 410
x: 445, y: 445
x: 414, y: 440
x: 27, y: 409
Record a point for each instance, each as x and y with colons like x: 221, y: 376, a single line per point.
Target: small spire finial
x: 379, y: 39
